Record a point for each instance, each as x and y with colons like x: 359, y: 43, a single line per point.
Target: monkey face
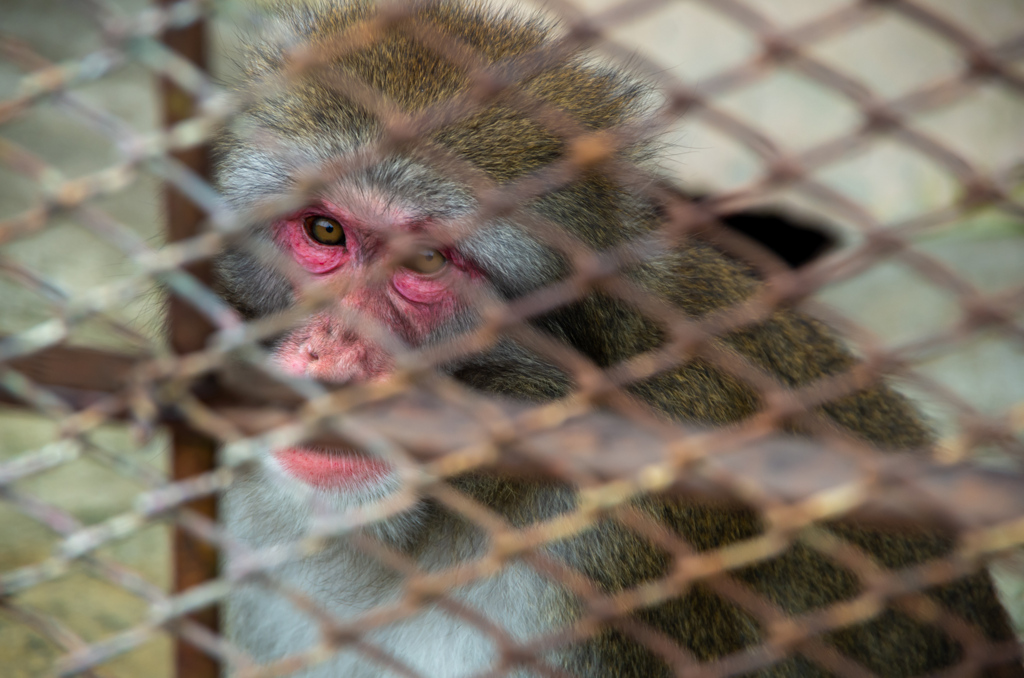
x: 411, y: 244
x: 391, y: 286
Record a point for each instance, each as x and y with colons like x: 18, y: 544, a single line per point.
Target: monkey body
x: 378, y: 236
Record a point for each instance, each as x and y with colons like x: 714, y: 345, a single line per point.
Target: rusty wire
x: 433, y: 428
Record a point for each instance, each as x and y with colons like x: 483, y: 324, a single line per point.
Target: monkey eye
x: 426, y: 261
x: 325, y: 230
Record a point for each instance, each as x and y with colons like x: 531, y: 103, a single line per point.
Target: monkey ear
x: 793, y: 241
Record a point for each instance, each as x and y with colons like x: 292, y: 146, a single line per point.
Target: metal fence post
x: 195, y: 561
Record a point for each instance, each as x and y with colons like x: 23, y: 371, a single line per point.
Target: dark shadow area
x: 795, y: 242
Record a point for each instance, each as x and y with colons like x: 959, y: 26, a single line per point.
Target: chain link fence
x: 134, y: 395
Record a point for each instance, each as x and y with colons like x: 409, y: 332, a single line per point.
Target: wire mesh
x: 95, y: 388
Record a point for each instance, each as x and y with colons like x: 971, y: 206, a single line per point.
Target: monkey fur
x: 309, y: 122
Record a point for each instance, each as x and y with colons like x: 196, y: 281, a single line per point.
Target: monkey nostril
x: 311, y: 352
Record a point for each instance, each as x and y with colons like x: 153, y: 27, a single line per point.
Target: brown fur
x: 505, y: 144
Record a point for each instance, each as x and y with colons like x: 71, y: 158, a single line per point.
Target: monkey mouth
x: 330, y: 468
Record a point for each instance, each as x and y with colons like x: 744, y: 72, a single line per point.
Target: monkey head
x: 392, y: 235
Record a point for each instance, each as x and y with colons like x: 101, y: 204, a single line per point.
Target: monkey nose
x: 311, y: 352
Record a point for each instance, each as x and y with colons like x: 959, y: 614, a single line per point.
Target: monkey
x: 379, y: 234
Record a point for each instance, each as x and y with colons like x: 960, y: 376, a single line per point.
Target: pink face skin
x: 408, y: 303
